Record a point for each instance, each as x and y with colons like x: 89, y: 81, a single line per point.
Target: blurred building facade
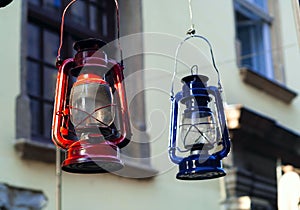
x: 256, y: 48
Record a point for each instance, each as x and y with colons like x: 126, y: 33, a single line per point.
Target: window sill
x: 33, y: 150
x: 272, y: 88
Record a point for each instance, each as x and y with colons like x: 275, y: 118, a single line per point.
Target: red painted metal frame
x: 60, y: 104
x: 60, y: 124
x: 118, y: 82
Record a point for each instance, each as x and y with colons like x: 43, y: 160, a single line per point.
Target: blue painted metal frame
x: 194, y: 167
x: 173, y: 129
x: 173, y: 126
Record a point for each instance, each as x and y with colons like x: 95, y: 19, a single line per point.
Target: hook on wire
x: 191, y: 31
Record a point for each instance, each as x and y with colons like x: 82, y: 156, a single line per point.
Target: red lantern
x: 90, y: 117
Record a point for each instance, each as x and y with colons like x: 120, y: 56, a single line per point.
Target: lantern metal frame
x: 196, y: 166
x: 89, y: 156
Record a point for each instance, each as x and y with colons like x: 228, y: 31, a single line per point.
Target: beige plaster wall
x: 79, y: 192
x: 169, y: 20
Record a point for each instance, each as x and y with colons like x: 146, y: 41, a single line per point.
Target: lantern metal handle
x: 58, y: 115
x: 58, y: 58
x: 222, y: 118
x: 173, y: 127
x: 176, y: 60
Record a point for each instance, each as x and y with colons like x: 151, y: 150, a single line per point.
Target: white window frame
x: 296, y: 8
x: 267, y: 70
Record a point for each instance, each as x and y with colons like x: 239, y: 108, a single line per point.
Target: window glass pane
x: 244, y: 36
x: 35, y: 2
x: 254, y: 39
x: 259, y: 51
x: 252, y: 46
x: 33, y: 79
x: 103, y: 4
x: 36, y: 125
x: 48, y: 110
x: 49, y: 83
x: 93, y: 18
x: 79, y: 13
x: 104, y: 25
x: 54, y: 4
x: 42, y: 46
x: 51, y: 42
x: 33, y: 42
x: 263, y: 4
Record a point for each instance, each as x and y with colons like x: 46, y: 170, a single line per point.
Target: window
x: 85, y: 19
x: 253, y: 33
x: 43, y: 41
x: 39, y: 50
x: 259, y: 47
x: 256, y: 138
x: 42, y: 77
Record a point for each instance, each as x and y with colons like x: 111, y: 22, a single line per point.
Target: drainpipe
x: 58, y: 179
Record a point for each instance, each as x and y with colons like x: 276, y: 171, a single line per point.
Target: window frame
x: 296, y: 10
x: 263, y: 82
x: 37, y: 16
x: 257, y: 16
x: 27, y: 145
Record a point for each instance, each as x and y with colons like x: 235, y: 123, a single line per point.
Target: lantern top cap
x: 88, y: 44
x: 195, y: 78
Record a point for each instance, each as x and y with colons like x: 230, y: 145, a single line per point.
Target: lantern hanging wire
x: 192, y: 29
x: 191, y: 33
x: 58, y: 62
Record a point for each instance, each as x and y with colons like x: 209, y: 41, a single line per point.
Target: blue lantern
x: 199, y: 138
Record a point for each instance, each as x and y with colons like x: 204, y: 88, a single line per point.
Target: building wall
x: 169, y: 21
x: 215, y: 20
x: 104, y: 191
x: 291, y: 57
